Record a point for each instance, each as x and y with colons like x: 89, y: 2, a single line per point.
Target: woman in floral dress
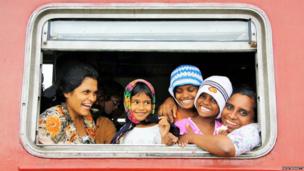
x: 71, y: 122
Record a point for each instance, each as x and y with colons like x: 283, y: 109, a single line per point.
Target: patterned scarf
x: 131, y: 121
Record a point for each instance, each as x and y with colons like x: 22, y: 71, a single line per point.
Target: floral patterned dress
x: 55, y: 126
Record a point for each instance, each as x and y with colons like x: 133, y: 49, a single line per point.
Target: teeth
x: 140, y: 113
x: 231, y: 123
x: 202, y: 108
x: 222, y: 128
x: 87, y: 105
x: 186, y: 101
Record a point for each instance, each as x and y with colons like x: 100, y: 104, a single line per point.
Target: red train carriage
x: 252, y: 42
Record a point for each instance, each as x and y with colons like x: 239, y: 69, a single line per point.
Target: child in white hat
x: 219, y: 88
x: 209, y: 102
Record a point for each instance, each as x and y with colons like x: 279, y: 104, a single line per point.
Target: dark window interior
x: 156, y: 67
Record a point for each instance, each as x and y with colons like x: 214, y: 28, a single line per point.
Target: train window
x: 124, y: 42
x: 47, y: 76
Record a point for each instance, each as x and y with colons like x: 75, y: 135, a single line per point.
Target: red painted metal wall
x: 286, y: 18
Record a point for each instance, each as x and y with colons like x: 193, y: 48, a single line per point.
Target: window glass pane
x: 47, y: 72
x: 170, y: 30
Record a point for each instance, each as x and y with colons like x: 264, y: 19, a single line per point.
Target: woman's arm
x: 219, y: 145
x: 105, y: 130
x: 168, y: 109
x: 237, y: 142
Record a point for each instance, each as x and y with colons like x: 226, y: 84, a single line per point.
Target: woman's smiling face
x: 81, y: 99
x: 239, y: 111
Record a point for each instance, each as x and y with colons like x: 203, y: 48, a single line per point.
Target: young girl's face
x: 141, y: 106
x: 185, y: 95
x: 239, y: 111
x: 207, y: 106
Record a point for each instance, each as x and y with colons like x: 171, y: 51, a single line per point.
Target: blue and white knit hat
x: 219, y: 87
x: 183, y: 75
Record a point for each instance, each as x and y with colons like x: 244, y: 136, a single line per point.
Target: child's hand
x: 186, y: 138
x: 223, y: 130
x: 183, y: 140
x: 164, y: 126
x: 167, y: 137
x: 170, y: 139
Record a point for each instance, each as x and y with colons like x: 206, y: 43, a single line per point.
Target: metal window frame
x: 261, y: 42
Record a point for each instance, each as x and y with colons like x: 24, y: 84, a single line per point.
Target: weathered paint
x: 287, y: 31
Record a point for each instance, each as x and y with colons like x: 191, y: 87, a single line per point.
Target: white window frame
x: 37, y: 40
